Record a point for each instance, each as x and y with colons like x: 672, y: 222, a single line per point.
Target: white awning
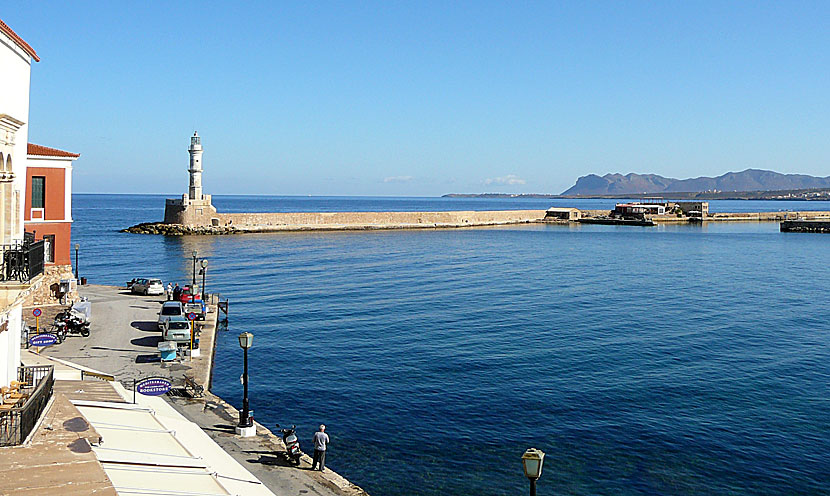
x: 150, y: 448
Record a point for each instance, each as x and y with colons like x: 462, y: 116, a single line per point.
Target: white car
x: 148, y: 287
x: 176, y: 329
x: 170, y: 309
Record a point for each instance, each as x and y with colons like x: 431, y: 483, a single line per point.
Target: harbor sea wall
x: 375, y: 220
x: 815, y: 226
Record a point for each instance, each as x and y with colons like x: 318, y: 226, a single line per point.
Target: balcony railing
x: 21, y: 262
x: 17, y: 423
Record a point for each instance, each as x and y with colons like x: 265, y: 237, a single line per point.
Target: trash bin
x: 167, y: 350
x: 83, y: 281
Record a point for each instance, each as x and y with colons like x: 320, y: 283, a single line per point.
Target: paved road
x: 123, y: 342
x: 123, y: 337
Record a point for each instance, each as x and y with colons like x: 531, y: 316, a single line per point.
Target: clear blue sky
x: 425, y: 98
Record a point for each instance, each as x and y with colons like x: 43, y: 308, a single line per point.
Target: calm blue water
x: 666, y: 360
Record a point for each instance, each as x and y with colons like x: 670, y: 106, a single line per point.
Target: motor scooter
x: 292, y: 444
x: 75, y: 320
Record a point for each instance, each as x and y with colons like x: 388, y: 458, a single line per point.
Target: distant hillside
x: 748, y: 180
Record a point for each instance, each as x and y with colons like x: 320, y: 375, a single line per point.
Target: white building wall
x: 10, y: 346
x: 14, y: 101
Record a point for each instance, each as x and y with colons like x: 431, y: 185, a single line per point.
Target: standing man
x: 321, y: 440
x: 169, y: 291
x: 177, y: 292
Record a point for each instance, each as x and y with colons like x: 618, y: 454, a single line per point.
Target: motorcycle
x: 74, y: 320
x: 292, y: 444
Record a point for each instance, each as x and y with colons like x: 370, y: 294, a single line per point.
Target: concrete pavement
x: 123, y: 338
x: 123, y: 342
x: 263, y: 454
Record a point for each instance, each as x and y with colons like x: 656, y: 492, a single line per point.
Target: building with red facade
x: 48, y: 207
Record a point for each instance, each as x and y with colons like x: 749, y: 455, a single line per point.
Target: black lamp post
x: 204, y: 264
x: 532, y: 461
x: 192, y: 286
x: 246, y: 339
x: 77, y: 247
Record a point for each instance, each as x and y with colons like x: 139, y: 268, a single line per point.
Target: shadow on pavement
x: 270, y: 460
x: 145, y: 325
x: 147, y: 359
x: 147, y: 341
x: 220, y: 428
x: 106, y: 348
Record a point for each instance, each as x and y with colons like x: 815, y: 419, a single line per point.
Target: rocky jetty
x: 179, y: 230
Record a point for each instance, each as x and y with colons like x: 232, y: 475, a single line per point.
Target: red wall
x: 63, y: 238
x: 54, y: 209
x: 55, y: 192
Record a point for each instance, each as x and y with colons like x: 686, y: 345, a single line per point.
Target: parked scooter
x: 292, y: 444
x: 71, y: 321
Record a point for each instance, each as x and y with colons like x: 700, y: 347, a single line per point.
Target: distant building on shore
x: 194, y: 208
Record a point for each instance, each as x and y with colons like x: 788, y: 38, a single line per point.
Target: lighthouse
x: 195, y: 150
x: 194, y: 208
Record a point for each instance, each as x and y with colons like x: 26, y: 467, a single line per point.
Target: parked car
x: 176, y: 329
x: 148, y: 287
x: 188, y: 295
x: 170, y: 309
x: 198, y: 307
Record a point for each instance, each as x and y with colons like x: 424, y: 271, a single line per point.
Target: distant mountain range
x: 748, y: 180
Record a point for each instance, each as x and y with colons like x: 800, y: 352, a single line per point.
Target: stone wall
x: 43, y: 293
x: 189, y: 212
x: 595, y: 213
x: 370, y: 220
x: 768, y: 216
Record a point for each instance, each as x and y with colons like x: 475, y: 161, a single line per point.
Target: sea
x: 676, y: 359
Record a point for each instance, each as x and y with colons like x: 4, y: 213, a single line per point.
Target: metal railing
x: 21, y: 261
x: 17, y: 423
x: 85, y: 374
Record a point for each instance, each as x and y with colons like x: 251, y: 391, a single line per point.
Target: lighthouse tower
x: 195, y: 150
x: 194, y: 208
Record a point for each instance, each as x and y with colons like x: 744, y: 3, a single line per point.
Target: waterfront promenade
x: 123, y: 343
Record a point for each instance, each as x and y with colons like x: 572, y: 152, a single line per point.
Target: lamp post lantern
x: 532, y: 461
x: 77, y: 247
x: 204, y: 264
x: 246, y: 427
x: 194, y: 270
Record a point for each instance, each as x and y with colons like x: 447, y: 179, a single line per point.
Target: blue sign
x: 43, y: 340
x: 191, y: 316
x: 37, y: 312
x: 154, y: 386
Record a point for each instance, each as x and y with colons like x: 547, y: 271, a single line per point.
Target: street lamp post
x: 246, y: 427
x: 192, y: 286
x: 204, y: 264
x: 77, y: 247
x: 532, y: 461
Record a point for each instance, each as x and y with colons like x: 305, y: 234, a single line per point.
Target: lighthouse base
x: 190, y: 212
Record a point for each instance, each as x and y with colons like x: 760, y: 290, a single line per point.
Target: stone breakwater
x: 238, y: 223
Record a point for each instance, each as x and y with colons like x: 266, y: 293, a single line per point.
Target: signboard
x: 191, y: 316
x: 36, y: 312
x: 43, y: 340
x: 153, y: 386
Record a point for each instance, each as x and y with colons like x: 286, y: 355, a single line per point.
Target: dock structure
x: 805, y: 226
